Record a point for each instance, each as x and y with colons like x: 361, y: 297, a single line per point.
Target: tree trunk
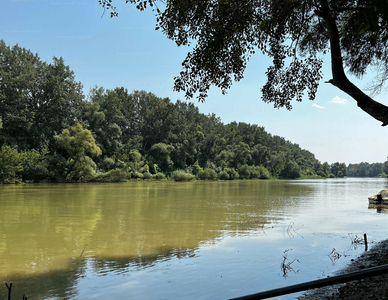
x: 71, y: 167
x: 340, y: 80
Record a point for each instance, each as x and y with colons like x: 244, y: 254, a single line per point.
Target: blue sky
x: 127, y: 51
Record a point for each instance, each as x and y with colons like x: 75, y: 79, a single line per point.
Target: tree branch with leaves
x: 295, y: 34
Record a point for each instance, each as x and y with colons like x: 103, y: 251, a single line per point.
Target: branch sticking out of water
x: 334, y: 255
x: 286, y: 267
x: 83, y: 250
x: 289, y: 229
x: 356, y: 240
x: 9, y: 290
x: 9, y: 287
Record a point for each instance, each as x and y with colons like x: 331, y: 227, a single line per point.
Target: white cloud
x: 317, y: 106
x: 338, y: 100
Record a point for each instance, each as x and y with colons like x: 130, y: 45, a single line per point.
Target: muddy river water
x: 167, y: 240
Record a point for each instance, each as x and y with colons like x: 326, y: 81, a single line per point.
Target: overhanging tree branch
x: 293, y: 33
x: 340, y: 80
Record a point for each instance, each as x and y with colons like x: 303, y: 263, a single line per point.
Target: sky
x: 127, y: 51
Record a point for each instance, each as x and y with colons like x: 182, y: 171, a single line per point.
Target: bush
x: 207, y: 174
x: 147, y: 175
x: 57, y: 167
x: 201, y: 175
x: 244, y: 172
x: 291, y: 170
x: 309, y: 172
x: 145, y: 169
x: 196, y: 169
x: 255, y: 172
x: 322, y: 174
x: 107, y: 164
x: 115, y: 175
x: 159, y: 176
x: 153, y: 168
x: 223, y: 175
x: 10, y: 165
x: 233, y: 174
x: 264, y: 173
x: 136, y: 175
x: 35, y: 165
x: 211, y: 174
x: 180, y: 175
x: 83, y: 169
x: 252, y: 172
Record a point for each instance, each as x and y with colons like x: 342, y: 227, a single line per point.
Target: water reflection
x: 52, y: 284
x: 380, y: 209
x: 126, y: 226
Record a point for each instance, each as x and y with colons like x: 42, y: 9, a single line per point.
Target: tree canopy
x: 37, y: 100
x: 365, y: 169
x: 295, y: 34
x: 115, y: 135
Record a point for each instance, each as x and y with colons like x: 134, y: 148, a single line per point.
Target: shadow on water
x: 127, y: 227
x: 62, y: 284
x: 56, y: 284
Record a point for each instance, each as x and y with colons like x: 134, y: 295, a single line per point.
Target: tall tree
x: 21, y: 74
x: 155, y: 118
x: 37, y: 99
x: 79, y: 145
x: 339, y: 169
x: 115, y: 123
x: 160, y: 154
x: 294, y: 34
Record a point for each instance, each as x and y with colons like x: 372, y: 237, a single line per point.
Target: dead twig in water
x: 83, y: 250
x: 334, y: 255
x: 356, y: 240
x: 286, y: 267
x: 9, y: 290
x: 289, y: 229
x: 9, y: 287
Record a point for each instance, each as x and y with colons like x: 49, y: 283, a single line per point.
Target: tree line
x: 365, y: 169
x: 51, y: 132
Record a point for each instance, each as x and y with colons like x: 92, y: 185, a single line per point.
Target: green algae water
x: 166, y: 240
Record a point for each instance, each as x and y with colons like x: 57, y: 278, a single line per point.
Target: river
x: 194, y: 240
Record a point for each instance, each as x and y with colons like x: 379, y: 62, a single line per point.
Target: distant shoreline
x: 168, y: 179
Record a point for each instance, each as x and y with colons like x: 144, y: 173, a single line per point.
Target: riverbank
x: 160, y: 177
x: 369, y: 288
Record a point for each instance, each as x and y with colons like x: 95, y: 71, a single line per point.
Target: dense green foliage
x: 339, y: 170
x: 295, y: 34
x: 365, y: 169
x: 78, y: 144
x: 37, y: 100
x: 50, y: 132
x: 10, y: 165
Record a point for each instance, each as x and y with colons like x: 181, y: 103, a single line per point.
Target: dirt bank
x: 371, y: 288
